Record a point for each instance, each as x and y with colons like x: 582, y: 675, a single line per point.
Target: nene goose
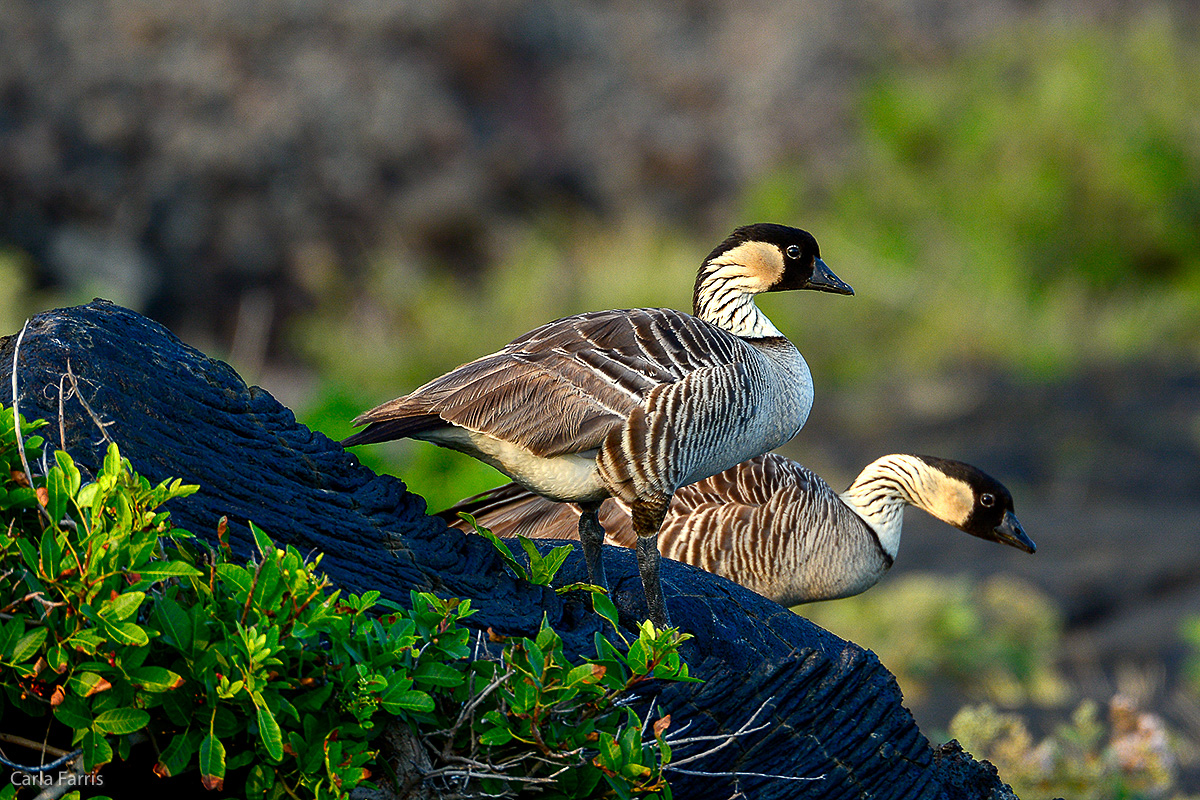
x: 778, y: 529
x: 633, y: 403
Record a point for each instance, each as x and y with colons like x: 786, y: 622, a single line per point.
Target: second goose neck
x: 882, y: 490
x: 724, y: 298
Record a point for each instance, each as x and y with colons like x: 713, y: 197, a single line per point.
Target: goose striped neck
x: 881, y: 491
x: 726, y: 287
x: 754, y: 259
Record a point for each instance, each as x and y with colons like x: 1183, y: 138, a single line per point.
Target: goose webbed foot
x: 591, y: 537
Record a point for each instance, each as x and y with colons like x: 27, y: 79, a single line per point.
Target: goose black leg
x: 647, y: 518
x: 591, y: 537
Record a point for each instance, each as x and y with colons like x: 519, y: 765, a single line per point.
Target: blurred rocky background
x: 345, y: 199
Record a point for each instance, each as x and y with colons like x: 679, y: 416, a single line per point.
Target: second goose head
x: 979, y: 504
x: 764, y: 257
x: 956, y: 493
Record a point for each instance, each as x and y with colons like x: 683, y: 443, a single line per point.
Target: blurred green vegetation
x: 1128, y: 757
x: 998, y: 640
x: 997, y: 644
x: 1031, y: 202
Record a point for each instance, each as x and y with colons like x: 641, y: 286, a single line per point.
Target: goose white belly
x: 571, y: 477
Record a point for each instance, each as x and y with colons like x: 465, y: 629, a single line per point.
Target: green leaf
x: 70, y: 471
x: 268, y: 728
x: 175, y: 757
x: 497, y: 543
x: 86, y: 684
x: 20, y: 497
x: 525, y: 696
x: 74, y: 712
x: 496, y: 736
x: 605, y: 607
x: 610, y: 751
x: 263, y: 541
x: 28, y: 645
x: 121, y: 721
x: 96, y: 750
x: 553, y: 560
x: 128, y: 633
x: 240, y: 577
x: 112, y: 461
x: 260, y: 781
x: 56, y: 658
x: 399, y: 701
x: 86, y: 497
x: 123, y: 607
x: 637, y: 657
x: 161, y: 570
x: 58, y: 493
x: 156, y: 679
x: 212, y: 763
x: 86, y: 640
x: 175, y: 623
x: 438, y: 674
x: 584, y: 673
x: 178, y: 706
x: 28, y: 553
x: 50, y: 554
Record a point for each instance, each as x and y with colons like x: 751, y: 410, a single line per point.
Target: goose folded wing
x: 563, y: 387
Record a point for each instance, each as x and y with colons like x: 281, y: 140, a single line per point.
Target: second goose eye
x: 987, y: 500
x: 793, y: 251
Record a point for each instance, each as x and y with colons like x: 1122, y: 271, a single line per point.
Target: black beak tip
x: 824, y: 279
x: 1011, y: 533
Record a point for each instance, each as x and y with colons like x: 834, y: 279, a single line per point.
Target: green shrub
x: 258, y: 679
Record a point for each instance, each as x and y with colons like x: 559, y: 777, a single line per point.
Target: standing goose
x: 632, y: 403
x: 776, y: 528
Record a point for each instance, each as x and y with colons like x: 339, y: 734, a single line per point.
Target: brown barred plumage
x: 632, y: 403
x: 777, y: 528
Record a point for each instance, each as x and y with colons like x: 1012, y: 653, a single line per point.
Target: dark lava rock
x: 815, y: 707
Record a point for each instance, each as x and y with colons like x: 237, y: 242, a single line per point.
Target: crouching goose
x: 776, y: 528
x: 635, y: 403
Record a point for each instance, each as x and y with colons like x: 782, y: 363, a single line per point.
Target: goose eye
x: 793, y: 251
x: 987, y: 500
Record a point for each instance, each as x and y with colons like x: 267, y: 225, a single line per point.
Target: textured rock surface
x: 830, y: 710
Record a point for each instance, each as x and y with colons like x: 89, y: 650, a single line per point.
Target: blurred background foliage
x: 1031, y: 202
x: 345, y: 200
x: 981, y: 648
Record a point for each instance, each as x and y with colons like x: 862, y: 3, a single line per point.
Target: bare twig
x: 700, y: 774
x: 30, y: 744
x: 17, y: 419
x: 46, y: 604
x: 73, y: 390
x: 725, y: 739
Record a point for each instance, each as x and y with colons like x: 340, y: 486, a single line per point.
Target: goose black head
x: 767, y: 257
x: 975, y: 502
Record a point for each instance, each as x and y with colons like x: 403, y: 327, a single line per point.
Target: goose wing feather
x: 584, y: 375
x: 511, y: 510
x: 769, y: 524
